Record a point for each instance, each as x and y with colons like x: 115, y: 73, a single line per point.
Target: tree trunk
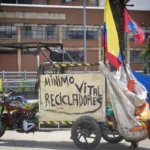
x: 117, y: 7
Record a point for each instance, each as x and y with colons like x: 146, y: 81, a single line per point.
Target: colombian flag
x: 111, y: 41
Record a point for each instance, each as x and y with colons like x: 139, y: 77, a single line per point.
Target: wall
x: 8, y: 62
x: 73, y: 16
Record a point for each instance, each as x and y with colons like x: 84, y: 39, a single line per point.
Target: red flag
x: 131, y: 26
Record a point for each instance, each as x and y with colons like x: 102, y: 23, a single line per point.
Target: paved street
x: 57, y: 140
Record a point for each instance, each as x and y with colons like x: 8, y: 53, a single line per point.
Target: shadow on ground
x: 62, y: 145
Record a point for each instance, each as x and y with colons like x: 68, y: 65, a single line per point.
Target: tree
x: 117, y: 7
x: 146, y: 56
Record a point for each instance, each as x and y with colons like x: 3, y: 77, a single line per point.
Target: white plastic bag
x: 124, y: 103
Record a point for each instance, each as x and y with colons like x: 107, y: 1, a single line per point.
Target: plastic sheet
x: 124, y: 103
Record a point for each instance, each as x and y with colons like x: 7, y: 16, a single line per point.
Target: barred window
x: 41, y: 2
x: 17, y: 1
x: 9, y: 1
x: 7, y: 31
x: 51, y: 32
x: 92, y: 34
x: 147, y: 32
x: 78, y: 33
x: 131, y: 36
x: 135, y: 56
x: 39, y: 32
x: 93, y: 2
x: 26, y: 32
x: 24, y: 1
x: 75, y: 35
x: 65, y: 1
x: 77, y: 56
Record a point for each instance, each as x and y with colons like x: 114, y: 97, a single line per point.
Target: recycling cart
x: 73, y: 100
x: 68, y: 99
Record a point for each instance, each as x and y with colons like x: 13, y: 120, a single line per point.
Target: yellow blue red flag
x: 111, y: 41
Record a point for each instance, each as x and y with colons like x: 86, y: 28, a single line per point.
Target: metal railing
x: 21, y: 82
x: 20, y: 86
x: 27, y: 75
x: 24, y: 82
x: 24, y: 75
x: 25, y: 88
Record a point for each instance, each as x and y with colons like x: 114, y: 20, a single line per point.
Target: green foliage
x: 146, y: 56
x: 23, y: 87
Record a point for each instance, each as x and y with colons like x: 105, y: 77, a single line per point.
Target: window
x: 8, y: 31
x: 41, y: 2
x: 51, y: 32
x: 72, y: 34
x: 26, y: 32
x: 77, y: 56
x: 135, y: 57
x: 78, y: 33
x: 66, y: 1
x: 24, y: 1
x: 17, y: 1
x: 92, y: 34
x: 58, y: 55
x: 131, y: 36
x: 93, y: 2
x: 35, y: 32
x: 39, y: 32
x: 147, y: 32
x: 9, y: 1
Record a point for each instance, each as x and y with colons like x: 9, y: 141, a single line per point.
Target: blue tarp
x: 145, y: 80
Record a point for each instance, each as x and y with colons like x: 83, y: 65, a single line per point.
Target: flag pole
x: 84, y: 22
x: 125, y: 35
x: 124, y: 55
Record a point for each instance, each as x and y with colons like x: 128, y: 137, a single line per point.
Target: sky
x: 138, y: 4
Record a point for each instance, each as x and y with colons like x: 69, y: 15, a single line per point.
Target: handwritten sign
x: 66, y: 97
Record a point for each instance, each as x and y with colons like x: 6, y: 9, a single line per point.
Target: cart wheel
x: 86, y: 133
x: 2, y: 128
x: 134, y: 145
x: 111, y: 136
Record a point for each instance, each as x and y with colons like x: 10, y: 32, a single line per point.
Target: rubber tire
x: 94, y: 123
x: 3, y: 130
x: 134, y: 144
x: 111, y: 140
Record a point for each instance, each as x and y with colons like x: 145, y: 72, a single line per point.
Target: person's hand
x: 137, y: 118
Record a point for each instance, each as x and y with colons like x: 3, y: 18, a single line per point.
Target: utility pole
x: 84, y: 22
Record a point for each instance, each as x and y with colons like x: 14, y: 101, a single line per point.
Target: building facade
x: 60, y: 21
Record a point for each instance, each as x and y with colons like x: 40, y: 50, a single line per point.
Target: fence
x: 24, y: 82
x: 25, y: 88
x: 24, y: 75
x: 20, y: 86
x: 17, y: 75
